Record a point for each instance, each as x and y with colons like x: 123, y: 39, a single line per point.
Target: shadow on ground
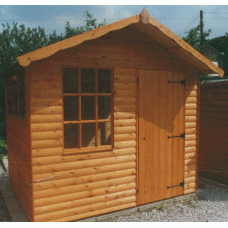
x: 212, y: 191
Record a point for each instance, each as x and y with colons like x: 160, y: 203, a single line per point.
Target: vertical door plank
x: 175, y: 141
x: 156, y: 133
x: 142, y: 135
x: 169, y: 144
x: 178, y: 140
x: 162, y: 133
x: 181, y: 130
x: 149, y: 187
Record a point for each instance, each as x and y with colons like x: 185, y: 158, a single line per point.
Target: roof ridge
x: 144, y: 22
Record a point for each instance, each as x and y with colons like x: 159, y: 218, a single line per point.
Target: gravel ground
x: 3, y: 173
x: 212, y: 206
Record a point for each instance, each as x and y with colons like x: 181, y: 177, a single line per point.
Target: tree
x: 19, y: 40
x: 221, y: 44
x: 91, y: 23
x: 193, y: 37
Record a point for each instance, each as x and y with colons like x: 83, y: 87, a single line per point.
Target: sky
x: 178, y: 18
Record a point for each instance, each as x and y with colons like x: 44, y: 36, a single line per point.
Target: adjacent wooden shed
x: 213, y: 156
x: 104, y: 121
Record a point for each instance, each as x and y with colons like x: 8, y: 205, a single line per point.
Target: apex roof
x: 146, y: 24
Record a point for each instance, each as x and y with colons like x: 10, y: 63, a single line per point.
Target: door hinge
x: 178, y: 185
x: 137, y: 191
x: 181, y: 136
x: 137, y: 79
x: 182, y: 82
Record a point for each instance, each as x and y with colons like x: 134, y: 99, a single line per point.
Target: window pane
x: 104, y: 81
x: 70, y: 108
x: 88, y: 108
x: 70, y: 80
x: 88, y: 134
x: 71, y: 136
x: 104, y: 107
x: 104, y: 133
x: 88, y: 80
x: 22, y: 95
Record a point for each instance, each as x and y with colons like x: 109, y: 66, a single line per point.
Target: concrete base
x: 159, y: 204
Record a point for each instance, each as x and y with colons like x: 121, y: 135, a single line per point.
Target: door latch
x: 182, y: 82
x: 180, y: 136
x: 177, y: 185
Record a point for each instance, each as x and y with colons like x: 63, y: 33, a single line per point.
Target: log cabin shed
x: 104, y: 121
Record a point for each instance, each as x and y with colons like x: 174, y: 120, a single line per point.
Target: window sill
x: 87, y: 150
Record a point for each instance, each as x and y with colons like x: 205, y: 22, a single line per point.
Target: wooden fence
x: 213, y: 143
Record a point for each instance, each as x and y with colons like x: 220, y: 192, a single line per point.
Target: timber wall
x: 214, y: 131
x: 191, y: 134
x: 78, y: 186
x: 72, y: 187
x: 19, y: 156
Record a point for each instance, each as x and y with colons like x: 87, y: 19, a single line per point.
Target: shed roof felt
x: 146, y: 24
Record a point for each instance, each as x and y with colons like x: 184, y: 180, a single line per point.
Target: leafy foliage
x: 221, y: 44
x: 3, y: 148
x: 19, y: 40
x: 91, y: 23
x: 161, y: 208
x: 192, y: 205
x: 193, y: 37
x: 2, y: 109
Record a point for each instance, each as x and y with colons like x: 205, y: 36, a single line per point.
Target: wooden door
x: 161, y: 115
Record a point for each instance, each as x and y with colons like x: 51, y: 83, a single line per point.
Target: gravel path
x: 211, y: 207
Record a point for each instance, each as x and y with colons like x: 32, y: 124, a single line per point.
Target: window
x: 87, y: 100
x: 16, y: 95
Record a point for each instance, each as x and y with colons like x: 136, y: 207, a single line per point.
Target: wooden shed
x: 104, y: 121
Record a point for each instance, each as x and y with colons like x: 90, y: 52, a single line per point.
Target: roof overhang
x: 147, y: 25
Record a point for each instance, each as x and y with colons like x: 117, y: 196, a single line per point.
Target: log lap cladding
x: 213, y: 159
x: 191, y: 135
x: 88, y: 184
x: 85, y: 104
